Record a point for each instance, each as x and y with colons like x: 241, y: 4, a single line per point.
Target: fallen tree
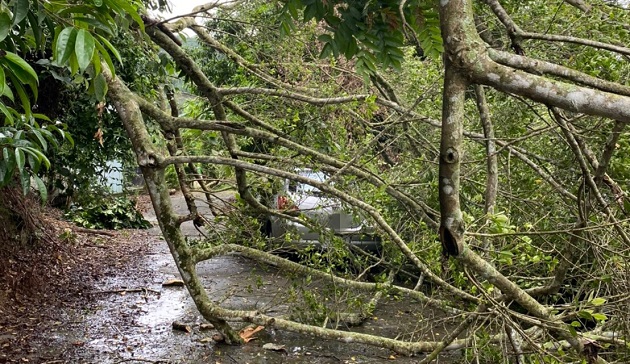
x: 547, y: 287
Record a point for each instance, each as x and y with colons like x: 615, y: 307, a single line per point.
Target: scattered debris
x: 124, y: 291
x: 93, y: 231
x: 205, y: 327
x: 173, y: 282
x: 218, y: 338
x: 275, y: 347
x: 6, y: 338
x: 181, y: 327
x: 247, y: 334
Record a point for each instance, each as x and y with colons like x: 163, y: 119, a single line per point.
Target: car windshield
x: 303, y: 187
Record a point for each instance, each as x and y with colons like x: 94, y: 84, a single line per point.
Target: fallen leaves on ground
x: 174, y: 282
x: 181, y: 327
x: 247, y: 333
x: 204, y: 327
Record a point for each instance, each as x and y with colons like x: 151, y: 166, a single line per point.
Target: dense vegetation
x: 484, y: 141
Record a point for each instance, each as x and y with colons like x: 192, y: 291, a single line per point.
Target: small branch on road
x: 93, y: 231
x: 126, y: 290
x: 143, y: 360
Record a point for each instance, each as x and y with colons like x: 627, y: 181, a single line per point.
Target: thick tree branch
x: 540, y: 67
x: 169, y: 123
x: 516, y: 32
x: 149, y: 159
x: 289, y: 266
x: 319, y: 101
x: 551, y: 92
x: 370, y: 210
x: 451, y: 153
x: 492, y: 169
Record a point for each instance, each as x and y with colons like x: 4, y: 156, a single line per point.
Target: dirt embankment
x: 47, y: 267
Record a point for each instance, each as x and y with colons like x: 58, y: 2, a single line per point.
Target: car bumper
x: 361, y: 237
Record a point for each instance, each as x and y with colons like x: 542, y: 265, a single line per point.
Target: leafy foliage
x: 373, y: 32
x: 77, y: 35
x: 24, y: 144
x: 97, y: 130
x: 109, y: 213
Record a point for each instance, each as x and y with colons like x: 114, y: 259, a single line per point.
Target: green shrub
x: 108, y: 213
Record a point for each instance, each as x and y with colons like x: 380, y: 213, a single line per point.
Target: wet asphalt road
x: 136, y: 325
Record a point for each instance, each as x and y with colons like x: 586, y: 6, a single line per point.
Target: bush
x: 108, y: 213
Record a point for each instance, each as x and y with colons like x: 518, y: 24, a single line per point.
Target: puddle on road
x: 169, y: 307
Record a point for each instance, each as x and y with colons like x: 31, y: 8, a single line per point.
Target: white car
x: 321, y: 209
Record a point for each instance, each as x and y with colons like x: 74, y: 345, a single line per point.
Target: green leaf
x: 18, y: 136
x: 33, y: 163
x: 5, y: 25
x: 96, y: 63
x: 25, y: 180
x: 585, y: 314
x: 36, y: 29
x: 20, y: 11
x: 110, y: 47
x: 9, y: 118
x: 310, y: 12
x: 41, y: 116
x: 106, y: 56
x: 3, y: 81
x: 100, y: 87
x: 95, y: 23
x: 19, y: 62
x: 8, y: 93
x: 327, y: 51
x: 64, y: 45
x: 292, y: 9
x: 600, y: 317
x: 26, y: 103
x: 3, y: 172
x: 41, y: 139
x: 38, y: 155
x: 325, y: 38
x: 19, y: 76
x: 129, y: 10
x: 19, y: 159
x: 84, y: 48
x: 598, y: 301
x: 41, y: 188
x: 70, y: 140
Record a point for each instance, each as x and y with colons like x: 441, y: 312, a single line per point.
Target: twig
x: 126, y: 290
x: 93, y: 231
x: 548, y: 232
x: 96, y: 246
x: 453, y: 335
x: 143, y: 360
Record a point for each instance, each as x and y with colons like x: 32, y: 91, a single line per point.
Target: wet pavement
x: 131, y: 319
